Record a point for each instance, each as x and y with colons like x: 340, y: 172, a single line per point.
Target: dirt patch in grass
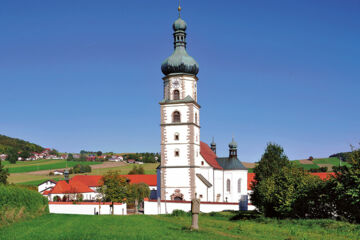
x: 305, y: 161
x: 248, y: 164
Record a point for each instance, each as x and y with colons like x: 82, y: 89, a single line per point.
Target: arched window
x: 176, y: 137
x: 177, y: 153
x: 228, y: 185
x: 176, y: 117
x: 176, y: 94
x: 239, y: 185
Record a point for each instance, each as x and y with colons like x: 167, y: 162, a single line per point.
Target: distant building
x: 3, y: 157
x: 59, y: 172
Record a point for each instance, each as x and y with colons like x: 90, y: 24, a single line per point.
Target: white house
x: 46, y: 186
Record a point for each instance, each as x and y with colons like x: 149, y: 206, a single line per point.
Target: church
x: 189, y: 167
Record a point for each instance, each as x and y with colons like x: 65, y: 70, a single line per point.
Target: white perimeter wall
x: 86, y: 209
x: 151, y: 207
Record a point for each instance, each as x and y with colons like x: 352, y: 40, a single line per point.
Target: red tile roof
x: 150, y: 180
x: 90, y: 181
x: 62, y: 187
x: 322, y: 176
x: 209, y: 155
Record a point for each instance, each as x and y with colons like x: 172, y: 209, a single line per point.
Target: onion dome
x: 233, y: 144
x: 180, y: 61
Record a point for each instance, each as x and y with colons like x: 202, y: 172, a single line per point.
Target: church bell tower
x: 180, y: 121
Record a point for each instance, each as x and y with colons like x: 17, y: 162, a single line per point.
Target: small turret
x: 233, y: 149
x: 213, y: 145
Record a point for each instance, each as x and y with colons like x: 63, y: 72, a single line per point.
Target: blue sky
x: 86, y: 74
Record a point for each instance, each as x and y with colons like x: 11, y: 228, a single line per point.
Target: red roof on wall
x: 322, y: 176
x: 209, y: 155
x: 148, y: 179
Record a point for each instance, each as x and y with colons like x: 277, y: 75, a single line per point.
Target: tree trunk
x: 136, y: 206
x: 112, y: 208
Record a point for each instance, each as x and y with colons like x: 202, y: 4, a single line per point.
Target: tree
x: 54, y: 152
x: 98, y: 153
x: 24, y: 154
x: 137, y: 170
x: 138, y: 191
x: 345, y: 188
x: 114, y: 188
x: 12, y: 156
x: 4, y: 173
x: 272, y: 162
x: 293, y: 193
x: 70, y: 157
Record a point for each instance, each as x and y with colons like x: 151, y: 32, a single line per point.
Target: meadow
x: 212, y: 226
x: 35, y: 179
x: 44, y: 164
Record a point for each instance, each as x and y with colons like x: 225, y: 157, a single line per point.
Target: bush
x: 79, y: 168
x: 20, y: 203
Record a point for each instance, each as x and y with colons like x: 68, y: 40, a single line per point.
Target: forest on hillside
x: 8, y: 144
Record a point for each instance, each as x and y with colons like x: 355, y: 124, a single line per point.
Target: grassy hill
x: 317, y: 163
x: 8, y: 143
x: 212, y: 226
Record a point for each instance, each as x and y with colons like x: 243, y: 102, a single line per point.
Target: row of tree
x: 144, y: 157
x: 284, y: 190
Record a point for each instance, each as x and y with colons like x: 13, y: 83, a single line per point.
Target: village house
x: 3, y: 157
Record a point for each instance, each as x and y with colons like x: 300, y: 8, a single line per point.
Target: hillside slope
x: 8, y: 143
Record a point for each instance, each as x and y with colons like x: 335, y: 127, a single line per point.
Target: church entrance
x: 177, y: 196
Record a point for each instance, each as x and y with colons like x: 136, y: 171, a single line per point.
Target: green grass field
x: 44, y: 164
x: 218, y: 226
x: 333, y: 161
x: 34, y: 179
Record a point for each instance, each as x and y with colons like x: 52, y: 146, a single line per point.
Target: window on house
x: 228, y: 185
x: 239, y: 185
x: 177, y: 153
x: 176, y: 94
x: 176, y: 117
x: 176, y: 136
x: 196, y: 120
x: 202, y: 163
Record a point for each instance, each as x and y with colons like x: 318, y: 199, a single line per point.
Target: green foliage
x: 80, y: 168
x: 344, y: 156
x: 8, y: 144
x: 115, y: 188
x: 17, y: 203
x: 137, y: 170
x: 292, y: 193
x: 70, y: 157
x: 4, y: 173
x: 54, y: 152
x: 98, y: 153
x: 272, y: 161
x: 12, y: 156
x: 345, y: 189
x: 179, y: 213
x: 137, y: 193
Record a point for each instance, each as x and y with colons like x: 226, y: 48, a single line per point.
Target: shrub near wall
x: 20, y: 203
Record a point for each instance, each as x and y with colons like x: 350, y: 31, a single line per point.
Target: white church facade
x: 190, y: 167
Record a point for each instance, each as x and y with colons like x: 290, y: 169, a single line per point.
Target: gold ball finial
x: 179, y: 9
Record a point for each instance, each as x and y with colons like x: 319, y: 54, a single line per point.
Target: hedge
x: 18, y: 203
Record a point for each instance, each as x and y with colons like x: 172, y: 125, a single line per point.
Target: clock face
x: 176, y: 83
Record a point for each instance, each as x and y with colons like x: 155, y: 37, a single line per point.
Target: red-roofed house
x: 70, y: 190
